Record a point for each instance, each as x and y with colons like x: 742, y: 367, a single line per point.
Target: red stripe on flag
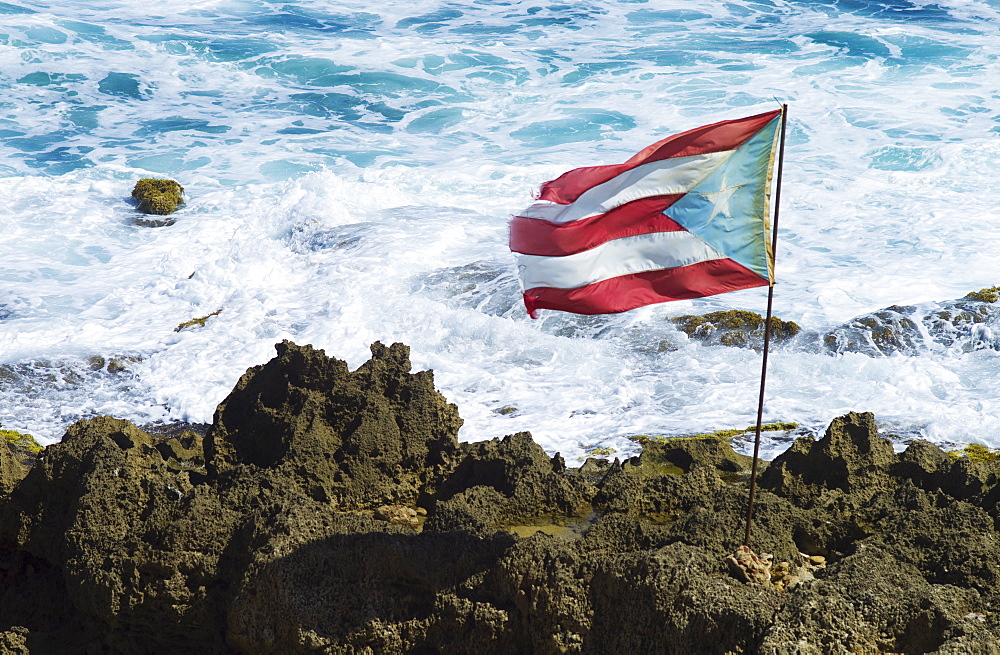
x: 532, y: 236
x: 717, y: 137
x: 626, y: 292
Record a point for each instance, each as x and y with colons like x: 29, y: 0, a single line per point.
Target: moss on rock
x: 728, y: 433
x: 975, y: 452
x: 197, y: 322
x: 990, y: 294
x: 21, y: 442
x: 735, y: 327
x: 158, y: 196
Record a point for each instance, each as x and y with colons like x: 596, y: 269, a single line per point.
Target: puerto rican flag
x: 687, y: 217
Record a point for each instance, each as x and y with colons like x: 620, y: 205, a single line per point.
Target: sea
x: 350, y: 169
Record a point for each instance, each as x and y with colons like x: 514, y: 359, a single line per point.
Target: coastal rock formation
x: 297, y: 524
x: 11, y: 468
x: 734, y: 327
x: 963, y: 325
x: 355, y: 440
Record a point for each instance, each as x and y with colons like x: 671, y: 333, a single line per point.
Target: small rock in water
x: 747, y: 566
x: 158, y: 196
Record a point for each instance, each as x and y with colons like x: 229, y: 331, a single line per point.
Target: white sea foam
x: 350, y: 170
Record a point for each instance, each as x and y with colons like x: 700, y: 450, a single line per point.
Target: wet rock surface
x: 734, y: 327
x: 296, y: 524
x: 957, y: 326
x: 158, y: 196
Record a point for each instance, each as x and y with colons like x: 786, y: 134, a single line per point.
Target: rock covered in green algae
x: 117, y: 541
x: 989, y: 294
x: 734, y: 327
x: 158, y: 196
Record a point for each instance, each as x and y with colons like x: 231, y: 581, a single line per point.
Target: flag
x: 687, y: 217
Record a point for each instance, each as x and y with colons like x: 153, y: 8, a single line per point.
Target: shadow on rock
x: 275, y: 534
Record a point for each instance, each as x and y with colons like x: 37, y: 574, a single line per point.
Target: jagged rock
x: 136, y: 533
x: 594, y: 469
x: 546, y: 581
x: 378, y: 435
x: 677, y: 599
x: 185, y: 451
x: 677, y: 455
x: 11, y: 468
x: 870, y: 602
x: 921, y: 462
x: 850, y: 456
x: 97, y: 512
x: 359, y: 587
x: 274, y: 538
x: 505, y: 481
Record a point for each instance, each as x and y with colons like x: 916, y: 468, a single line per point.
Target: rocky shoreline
x: 334, y: 511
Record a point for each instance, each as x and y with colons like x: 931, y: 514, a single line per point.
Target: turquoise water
x: 350, y: 169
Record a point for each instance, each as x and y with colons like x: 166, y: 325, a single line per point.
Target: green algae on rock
x: 975, y: 452
x: 990, y: 294
x: 197, y: 322
x: 735, y: 327
x: 601, y: 451
x: 21, y: 442
x: 672, y: 456
x: 158, y: 196
x: 18, y: 453
x: 728, y: 433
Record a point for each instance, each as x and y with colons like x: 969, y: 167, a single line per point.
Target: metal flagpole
x: 767, y: 329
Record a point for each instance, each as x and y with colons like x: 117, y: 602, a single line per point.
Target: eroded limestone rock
x: 270, y: 536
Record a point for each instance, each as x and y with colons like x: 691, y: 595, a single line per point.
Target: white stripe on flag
x: 639, y: 254
x: 658, y: 178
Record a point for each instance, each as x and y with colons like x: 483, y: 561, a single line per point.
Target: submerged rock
x: 964, y: 325
x: 734, y: 327
x: 294, y: 526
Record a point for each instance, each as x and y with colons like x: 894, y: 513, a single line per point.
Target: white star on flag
x: 720, y: 199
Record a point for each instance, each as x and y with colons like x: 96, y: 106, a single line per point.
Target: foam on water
x: 350, y: 169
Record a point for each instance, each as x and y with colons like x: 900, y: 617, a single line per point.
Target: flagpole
x: 767, y: 329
